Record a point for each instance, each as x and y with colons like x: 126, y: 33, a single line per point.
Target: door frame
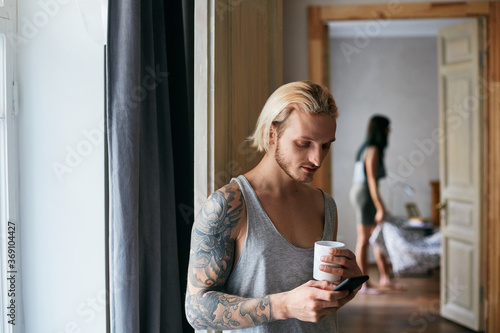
x: 318, y: 18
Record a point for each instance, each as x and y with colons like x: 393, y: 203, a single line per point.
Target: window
x: 9, y: 212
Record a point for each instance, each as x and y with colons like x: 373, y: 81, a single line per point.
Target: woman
x: 366, y: 199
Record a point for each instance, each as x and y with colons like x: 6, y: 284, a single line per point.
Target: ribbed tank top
x: 270, y: 264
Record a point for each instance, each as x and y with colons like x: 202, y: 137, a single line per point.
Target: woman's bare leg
x: 362, y: 246
x: 383, y: 267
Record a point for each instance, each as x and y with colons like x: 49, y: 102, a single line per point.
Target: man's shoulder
x: 223, y: 210
x: 329, y: 200
x: 323, y: 199
x: 230, y: 192
x: 228, y: 198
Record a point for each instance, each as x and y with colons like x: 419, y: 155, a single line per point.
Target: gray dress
x: 360, y: 196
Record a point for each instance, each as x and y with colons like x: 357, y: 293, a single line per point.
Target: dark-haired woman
x: 366, y: 199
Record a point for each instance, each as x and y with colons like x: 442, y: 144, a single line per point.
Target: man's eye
x: 326, y: 146
x: 302, y: 144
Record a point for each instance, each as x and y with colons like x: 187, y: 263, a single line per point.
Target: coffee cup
x: 321, y: 248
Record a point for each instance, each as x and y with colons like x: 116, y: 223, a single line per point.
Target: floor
x: 415, y: 310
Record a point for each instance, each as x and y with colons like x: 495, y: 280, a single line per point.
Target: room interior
x: 72, y: 203
x: 318, y: 63
x: 315, y: 33
x: 394, y: 75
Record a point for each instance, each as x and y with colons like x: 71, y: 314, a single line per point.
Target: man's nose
x: 316, y: 156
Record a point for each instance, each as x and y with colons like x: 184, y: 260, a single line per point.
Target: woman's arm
x: 371, y: 166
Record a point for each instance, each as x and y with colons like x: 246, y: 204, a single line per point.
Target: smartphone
x: 352, y: 283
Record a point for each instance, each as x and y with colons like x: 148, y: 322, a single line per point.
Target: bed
x: 410, y: 252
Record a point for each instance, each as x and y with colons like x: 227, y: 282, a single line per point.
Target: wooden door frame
x: 229, y: 91
x: 319, y: 16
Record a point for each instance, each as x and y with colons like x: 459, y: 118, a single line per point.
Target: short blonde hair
x: 305, y: 96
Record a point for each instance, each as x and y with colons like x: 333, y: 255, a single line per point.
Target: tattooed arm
x: 213, y: 242
x: 211, y: 260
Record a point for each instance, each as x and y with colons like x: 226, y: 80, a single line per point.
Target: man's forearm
x: 220, y: 311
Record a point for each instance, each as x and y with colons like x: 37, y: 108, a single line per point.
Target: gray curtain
x: 150, y: 163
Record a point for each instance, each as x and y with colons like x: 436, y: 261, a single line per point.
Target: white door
x: 461, y: 109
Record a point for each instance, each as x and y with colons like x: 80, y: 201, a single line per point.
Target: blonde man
x: 252, y: 243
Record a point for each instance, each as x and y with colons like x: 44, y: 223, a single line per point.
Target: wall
x: 396, y: 77
x: 61, y: 100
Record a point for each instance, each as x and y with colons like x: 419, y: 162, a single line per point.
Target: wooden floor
x: 415, y: 310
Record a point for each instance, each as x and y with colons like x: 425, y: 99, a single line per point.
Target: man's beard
x: 286, y: 167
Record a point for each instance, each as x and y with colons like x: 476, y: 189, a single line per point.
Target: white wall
x: 396, y: 77
x: 61, y: 100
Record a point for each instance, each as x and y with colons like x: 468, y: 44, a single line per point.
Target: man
x: 251, y: 259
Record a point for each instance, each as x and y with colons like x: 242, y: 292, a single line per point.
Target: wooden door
x: 461, y: 130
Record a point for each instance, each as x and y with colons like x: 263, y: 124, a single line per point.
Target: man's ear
x: 272, y: 134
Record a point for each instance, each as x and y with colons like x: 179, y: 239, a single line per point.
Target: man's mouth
x: 310, y: 169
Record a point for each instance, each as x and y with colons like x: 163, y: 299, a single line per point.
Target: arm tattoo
x: 211, y: 261
x: 212, y: 246
x: 216, y: 310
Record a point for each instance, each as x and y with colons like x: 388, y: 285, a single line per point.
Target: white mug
x: 321, y: 249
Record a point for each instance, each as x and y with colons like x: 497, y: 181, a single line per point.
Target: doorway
x: 318, y: 71
x: 389, y: 70
x: 393, y: 70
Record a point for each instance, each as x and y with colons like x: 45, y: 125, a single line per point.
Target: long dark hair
x: 376, y: 135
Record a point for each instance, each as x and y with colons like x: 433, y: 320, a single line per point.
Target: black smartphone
x: 352, y: 283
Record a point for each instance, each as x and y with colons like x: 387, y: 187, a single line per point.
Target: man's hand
x: 346, y: 259
x: 309, y: 302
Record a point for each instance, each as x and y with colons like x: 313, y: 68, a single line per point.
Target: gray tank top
x: 269, y: 264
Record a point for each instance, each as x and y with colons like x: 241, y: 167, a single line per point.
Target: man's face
x: 304, y: 144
